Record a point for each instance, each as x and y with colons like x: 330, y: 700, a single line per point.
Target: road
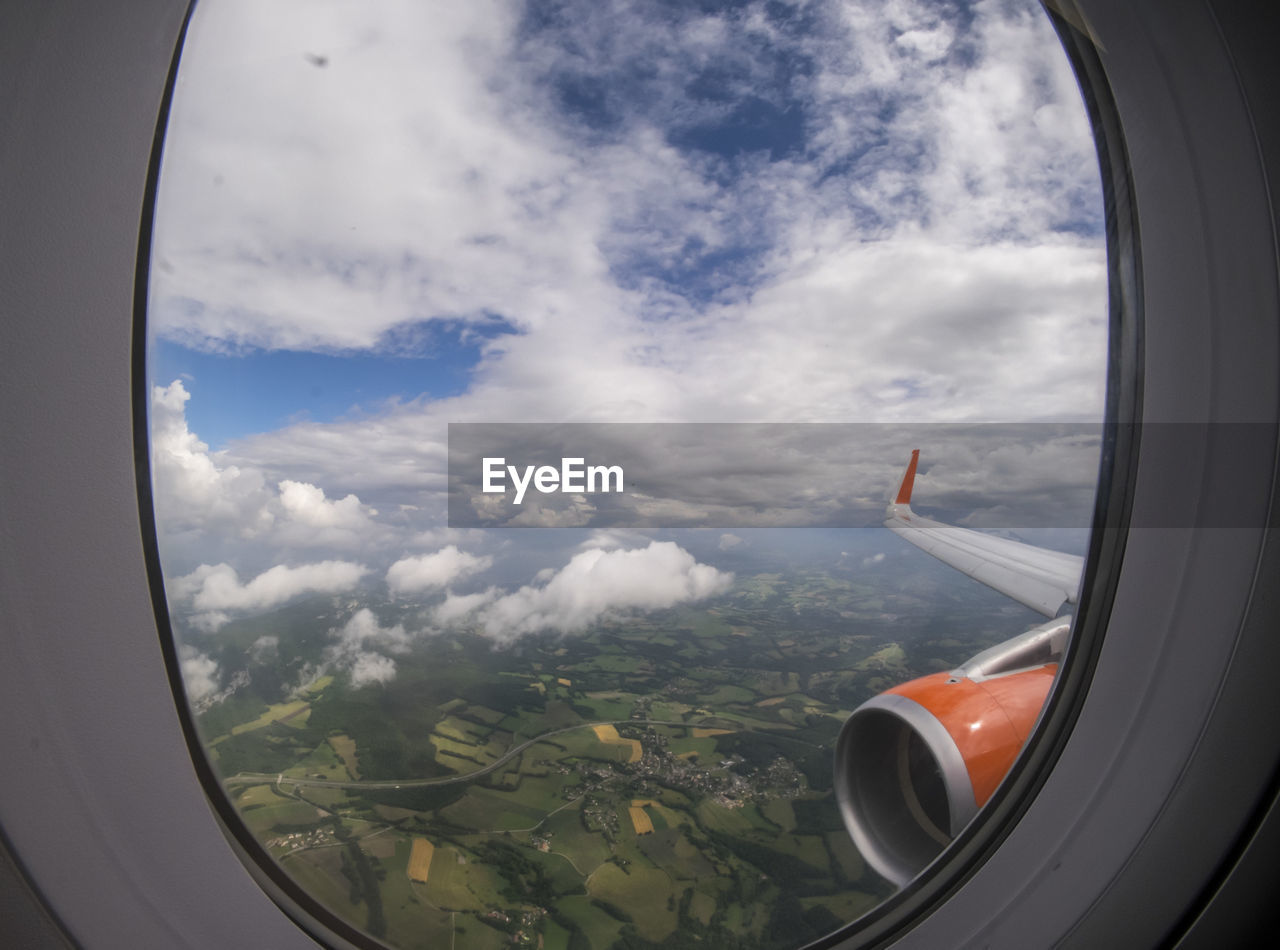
x: 257, y: 778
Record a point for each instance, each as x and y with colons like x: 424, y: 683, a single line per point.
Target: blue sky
x: 259, y: 390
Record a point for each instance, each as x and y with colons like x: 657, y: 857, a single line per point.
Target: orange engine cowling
x: 914, y: 764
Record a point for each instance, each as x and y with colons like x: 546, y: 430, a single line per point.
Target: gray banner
x: 731, y: 475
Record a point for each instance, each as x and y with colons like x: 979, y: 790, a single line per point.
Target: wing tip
x: 908, y: 480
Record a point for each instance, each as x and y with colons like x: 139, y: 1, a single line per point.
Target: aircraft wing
x: 1041, y: 579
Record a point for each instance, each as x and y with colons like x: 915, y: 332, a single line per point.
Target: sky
x: 377, y: 219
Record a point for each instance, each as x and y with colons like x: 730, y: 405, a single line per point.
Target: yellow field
x: 648, y: 805
x: 420, y: 859
x: 276, y: 713
x: 273, y: 714
x: 772, y: 701
x: 318, y: 685
x: 708, y: 733
x: 452, y: 746
x: 453, y: 728
x: 640, y: 819
x: 564, y: 682
x: 609, y: 735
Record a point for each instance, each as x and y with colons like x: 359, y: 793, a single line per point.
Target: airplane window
x: 540, y: 393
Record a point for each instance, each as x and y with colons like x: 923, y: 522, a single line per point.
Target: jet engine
x: 914, y: 764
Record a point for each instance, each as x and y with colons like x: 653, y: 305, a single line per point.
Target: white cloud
x: 873, y: 559
x: 307, y: 504
x: 352, y: 652
x: 218, y: 587
x: 199, y: 674
x: 729, y: 541
x: 192, y: 487
x: 596, y: 583
x: 363, y: 628
x: 201, y: 494
x: 457, y: 606
x: 372, y: 668
x: 303, y: 218
x: 310, y: 519
x: 434, y: 571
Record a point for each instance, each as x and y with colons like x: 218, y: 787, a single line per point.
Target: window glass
x: 755, y: 253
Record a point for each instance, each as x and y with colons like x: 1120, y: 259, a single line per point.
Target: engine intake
x: 914, y: 764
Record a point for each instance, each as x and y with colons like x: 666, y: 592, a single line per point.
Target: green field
x: 460, y: 882
x: 780, y: 813
x: 641, y: 892
x: 554, y: 937
x: 599, y: 928
x: 585, y: 850
x: 252, y: 796
x: 320, y: 873
x: 486, y: 810
x: 286, y: 815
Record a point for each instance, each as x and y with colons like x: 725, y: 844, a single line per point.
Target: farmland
x: 656, y: 779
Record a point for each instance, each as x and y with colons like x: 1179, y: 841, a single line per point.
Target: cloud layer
x: 806, y: 211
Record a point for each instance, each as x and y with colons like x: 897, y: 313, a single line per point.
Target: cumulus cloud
x: 193, y: 489
x: 457, y: 606
x: 369, y: 668
x: 310, y: 519
x: 218, y: 587
x: 201, y: 494
x: 353, y: 650
x: 873, y: 559
x: 199, y: 674
x: 434, y: 571
x: 729, y: 541
x: 307, y: 504
x: 595, y: 584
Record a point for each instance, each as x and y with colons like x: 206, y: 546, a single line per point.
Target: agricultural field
x: 657, y: 775
x: 420, y: 860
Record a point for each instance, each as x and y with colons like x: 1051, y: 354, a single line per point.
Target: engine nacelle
x: 914, y: 764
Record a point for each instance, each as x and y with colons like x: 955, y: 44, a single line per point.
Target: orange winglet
x: 908, y: 480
